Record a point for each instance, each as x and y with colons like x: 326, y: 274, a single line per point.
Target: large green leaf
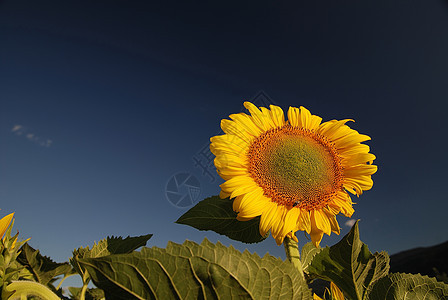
x: 108, y: 246
x: 350, y: 265
x: 408, y: 286
x: 113, y: 245
x: 43, y: 269
x: 193, y: 271
x: 307, y: 255
x: 217, y: 214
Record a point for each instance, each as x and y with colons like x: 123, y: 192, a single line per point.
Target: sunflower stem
x: 293, y: 254
x: 25, y: 288
x: 85, y: 282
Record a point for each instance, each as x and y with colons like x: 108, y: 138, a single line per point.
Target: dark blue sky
x: 101, y: 103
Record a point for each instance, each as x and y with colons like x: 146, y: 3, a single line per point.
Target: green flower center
x: 295, y: 167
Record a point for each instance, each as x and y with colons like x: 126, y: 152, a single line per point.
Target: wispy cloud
x: 350, y: 223
x: 16, y: 128
x: 21, y: 130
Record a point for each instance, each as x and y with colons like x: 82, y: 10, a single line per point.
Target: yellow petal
x: 359, y: 183
x: 360, y: 170
x: 292, y: 236
x: 219, y: 148
x: 233, y: 128
x: 304, y: 222
x: 358, y: 158
x: 351, y: 139
x: 343, y: 203
x: 277, y: 115
x: 252, y: 205
x: 330, y: 128
x: 268, y: 217
x: 277, y: 225
x: 353, y: 150
x: 336, y: 293
x: 322, y: 221
x: 244, y: 189
x: 257, y: 116
x: 352, y: 187
x: 316, y: 237
x: 238, y: 181
x: 247, y: 122
x: 223, y: 195
x: 333, y: 210
x: 279, y: 240
x: 316, y: 297
x: 243, y: 219
x: 4, y: 223
x: 227, y: 160
x: 332, y: 219
x: 253, y: 110
x: 308, y: 120
x: 294, y: 117
x: 314, y: 122
x: 290, y: 222
x: 237, y: 204
x: 229, y: 172
x: 316, y: 234
x: 305, y: 116
x: 342, y: 132
x: 231, y: 141
x: 267, y: 117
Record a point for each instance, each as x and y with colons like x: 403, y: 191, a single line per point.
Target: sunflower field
x: 281, y: 175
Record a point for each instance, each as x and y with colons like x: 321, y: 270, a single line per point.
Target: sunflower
x: 4, y: 223
x: 296, y: 173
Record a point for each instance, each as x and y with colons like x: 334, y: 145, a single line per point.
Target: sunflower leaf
x: 43, y: 269
x: 195, y: 271
x: 350, y: 265
x: 107, y: 246
x: 217, y: 214
x: 307, y: 255
x: 408, y: 286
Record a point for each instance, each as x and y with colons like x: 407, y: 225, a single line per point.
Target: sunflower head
x: 296, y: 173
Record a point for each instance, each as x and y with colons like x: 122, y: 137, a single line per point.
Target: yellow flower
x: 4, y: 224
x: 316, y: 297
x: 295, y: 173
x: 336, y: 292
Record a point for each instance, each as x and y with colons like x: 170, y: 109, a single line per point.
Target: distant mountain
x: 431, y: 261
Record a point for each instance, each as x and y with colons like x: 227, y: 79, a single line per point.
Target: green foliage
x: 43, y: 269
x: 112, y: 245
x: 10, y: 269
x: 350, y: 265
x: 307, y: 255
x: 107, y: 246
x: 207, y: 270
x: 408, y: 286
x: 192, y: 271
x: 217, y: 214
x: 91, y: 294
